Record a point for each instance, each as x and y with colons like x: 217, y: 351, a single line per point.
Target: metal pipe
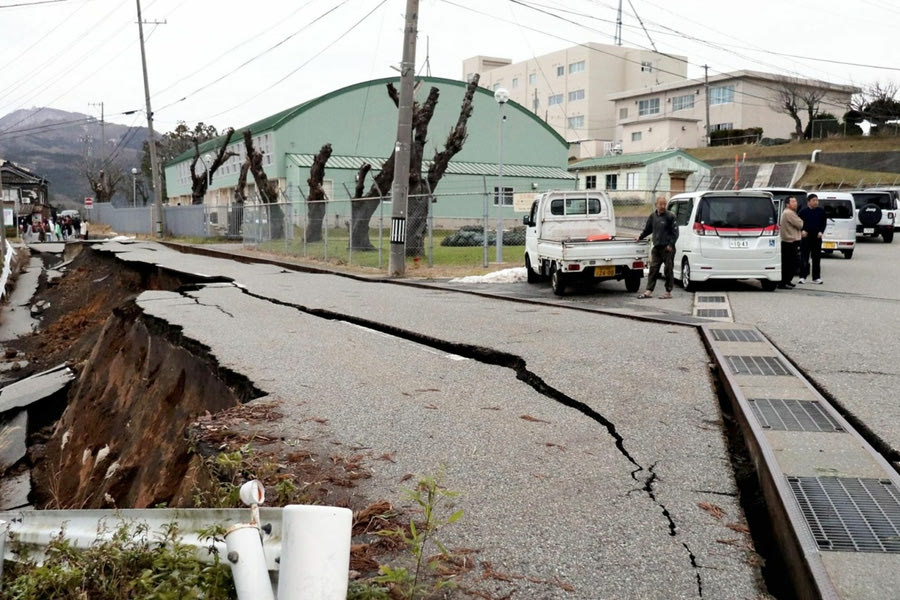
x: 3, y: 531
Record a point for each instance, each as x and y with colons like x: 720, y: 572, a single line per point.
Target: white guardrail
x: 4, y: 276
x: 301, y: 551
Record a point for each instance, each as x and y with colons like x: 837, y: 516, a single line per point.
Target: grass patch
x: 819, y: 176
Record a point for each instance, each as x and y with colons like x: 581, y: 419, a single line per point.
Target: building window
x: 576, y: 95
x: 631, y: 181
x: 683, y: 102
x: 560, y: 71
x: 623, y: 113
x: 515, y: 82
x: 532, y: 78
x: 576, y: 122
x: 721, y: 126
x: 646, y: 66
x: 723, y: 94
x: 576, y: 67
x: 612, y: 181
x: 555, y: 99
x: 636, y: 136
x: 648, y: 107
x: 507, y: 196
x: 590, y: 182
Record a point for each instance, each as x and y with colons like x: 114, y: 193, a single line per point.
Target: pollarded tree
x: 172, y: 143
x: 267, y: 190
x: 316, y: 202
x: 200, y: 183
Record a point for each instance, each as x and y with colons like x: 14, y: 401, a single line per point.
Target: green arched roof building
x: 360, y: 123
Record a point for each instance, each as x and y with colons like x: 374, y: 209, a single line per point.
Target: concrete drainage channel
x: 833, y: 499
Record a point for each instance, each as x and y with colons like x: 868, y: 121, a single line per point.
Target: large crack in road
x: 506, y: 360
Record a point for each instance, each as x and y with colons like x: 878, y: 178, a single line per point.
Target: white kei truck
x: 570, y: 238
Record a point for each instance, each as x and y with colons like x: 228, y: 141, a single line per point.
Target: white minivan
x: 840, y: 225
x: 726, y: 235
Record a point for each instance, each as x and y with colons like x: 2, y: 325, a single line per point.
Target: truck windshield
x: 737, y: 212
x: 575, y: 206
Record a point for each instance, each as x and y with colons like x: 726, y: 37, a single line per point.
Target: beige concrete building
x: 673, y: 114
x: 570, y: 89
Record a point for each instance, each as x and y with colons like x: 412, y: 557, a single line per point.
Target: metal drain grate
x: 735, y: 335
x: 850, y: 515
x: 712, y: 312
x: 719, y: 299
x: 793, y: 415
x: 757, y: 365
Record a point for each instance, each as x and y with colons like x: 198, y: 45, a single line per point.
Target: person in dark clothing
x: 814, y: 221
x: 661, y: 223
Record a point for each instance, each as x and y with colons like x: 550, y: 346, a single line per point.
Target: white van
x: 726, y: 235
x: 840, y: 227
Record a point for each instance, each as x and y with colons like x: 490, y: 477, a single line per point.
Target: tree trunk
x: 200, y: 183
x: 236, y: 218
x: 316, y: 201
x: 361, y: 211
x: 267, y: 190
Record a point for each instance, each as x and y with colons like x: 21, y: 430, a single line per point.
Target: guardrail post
x: 315, y: 552
x: 245, y: 554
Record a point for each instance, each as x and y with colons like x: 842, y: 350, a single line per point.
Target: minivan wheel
x: 686, y: 283
x: 768, y: 285
x: 888, y: 236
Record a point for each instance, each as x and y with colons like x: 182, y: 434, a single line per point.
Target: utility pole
x: 151, y: 138
x: 102, y: 134
x: 3, y: 218
x: 619, y: 25
x: 402, y: 149
x: 706, y: 85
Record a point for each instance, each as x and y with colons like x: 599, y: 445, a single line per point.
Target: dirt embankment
x: 121, y: 440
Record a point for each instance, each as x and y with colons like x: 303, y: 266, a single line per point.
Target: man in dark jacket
x: 814, y: 222
x: 661, y: 223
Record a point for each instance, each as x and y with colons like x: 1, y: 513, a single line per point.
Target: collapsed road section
x: 588, y: 451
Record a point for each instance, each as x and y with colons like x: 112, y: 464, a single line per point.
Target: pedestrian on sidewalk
x: 814, y: 222
x: 661, y: 223
x: 791, y: 227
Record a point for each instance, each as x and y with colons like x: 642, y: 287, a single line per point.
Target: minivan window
x: 736, y: 212
x: 575, y: 206
x: 837, y: 209
x: 882, y: 199
x: 682, y: 210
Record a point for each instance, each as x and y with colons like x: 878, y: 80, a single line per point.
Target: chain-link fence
x: 357, y: 232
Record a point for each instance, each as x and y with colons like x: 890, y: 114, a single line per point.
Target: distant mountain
x: 56, y: 144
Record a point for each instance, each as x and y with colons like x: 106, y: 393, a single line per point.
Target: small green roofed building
x: 639, y: 178
x: 360, y: 123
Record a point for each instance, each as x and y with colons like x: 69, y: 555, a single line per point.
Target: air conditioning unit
x: 616, y: 149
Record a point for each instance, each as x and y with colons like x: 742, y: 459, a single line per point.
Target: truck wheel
x: 686, y: 283
x: 888, y: 236
x: 632, y: 281
x: 848, y: 254
x: 532, y: 276
x: 557, y: 281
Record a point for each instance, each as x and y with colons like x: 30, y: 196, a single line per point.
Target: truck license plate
x: 739, y: 243
x: 607, y: 271
x: 828, y: 245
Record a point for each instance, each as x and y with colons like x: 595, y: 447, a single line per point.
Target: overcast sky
x: 229, y: 63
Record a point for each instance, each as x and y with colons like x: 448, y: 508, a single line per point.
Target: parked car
x: 895, y: 194
x: 469, y: 235
x: 727, y: 235
x: 840, y: 228
x: 875, y: 214
x: 780, y: 195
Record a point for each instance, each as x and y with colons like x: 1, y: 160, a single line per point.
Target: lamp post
x: 134, y: 173
x: 501, y: 95
x: 206, y: 159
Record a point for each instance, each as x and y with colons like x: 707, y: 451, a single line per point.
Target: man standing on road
x: 791, y: 225
x: 661, y: 223
x: 811, y: 239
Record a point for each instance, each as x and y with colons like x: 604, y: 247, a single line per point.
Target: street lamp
x: 206, y: 159
x: 501, y: 95
x: 134, y: 173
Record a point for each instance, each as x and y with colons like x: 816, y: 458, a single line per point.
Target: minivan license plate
x: 738, y: 243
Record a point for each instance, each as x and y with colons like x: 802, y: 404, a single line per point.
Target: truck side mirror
x: 526, y: 220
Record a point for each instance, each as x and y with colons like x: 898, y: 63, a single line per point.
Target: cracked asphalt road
x: 582, y: 444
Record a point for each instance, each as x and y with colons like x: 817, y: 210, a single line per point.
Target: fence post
x: 350, y: 232
x: 429, y: 215
x: 380, y: 223
x: 315, y: 552
x: 485, y: 223
x: 305, y: 222
x: 3, y: 531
